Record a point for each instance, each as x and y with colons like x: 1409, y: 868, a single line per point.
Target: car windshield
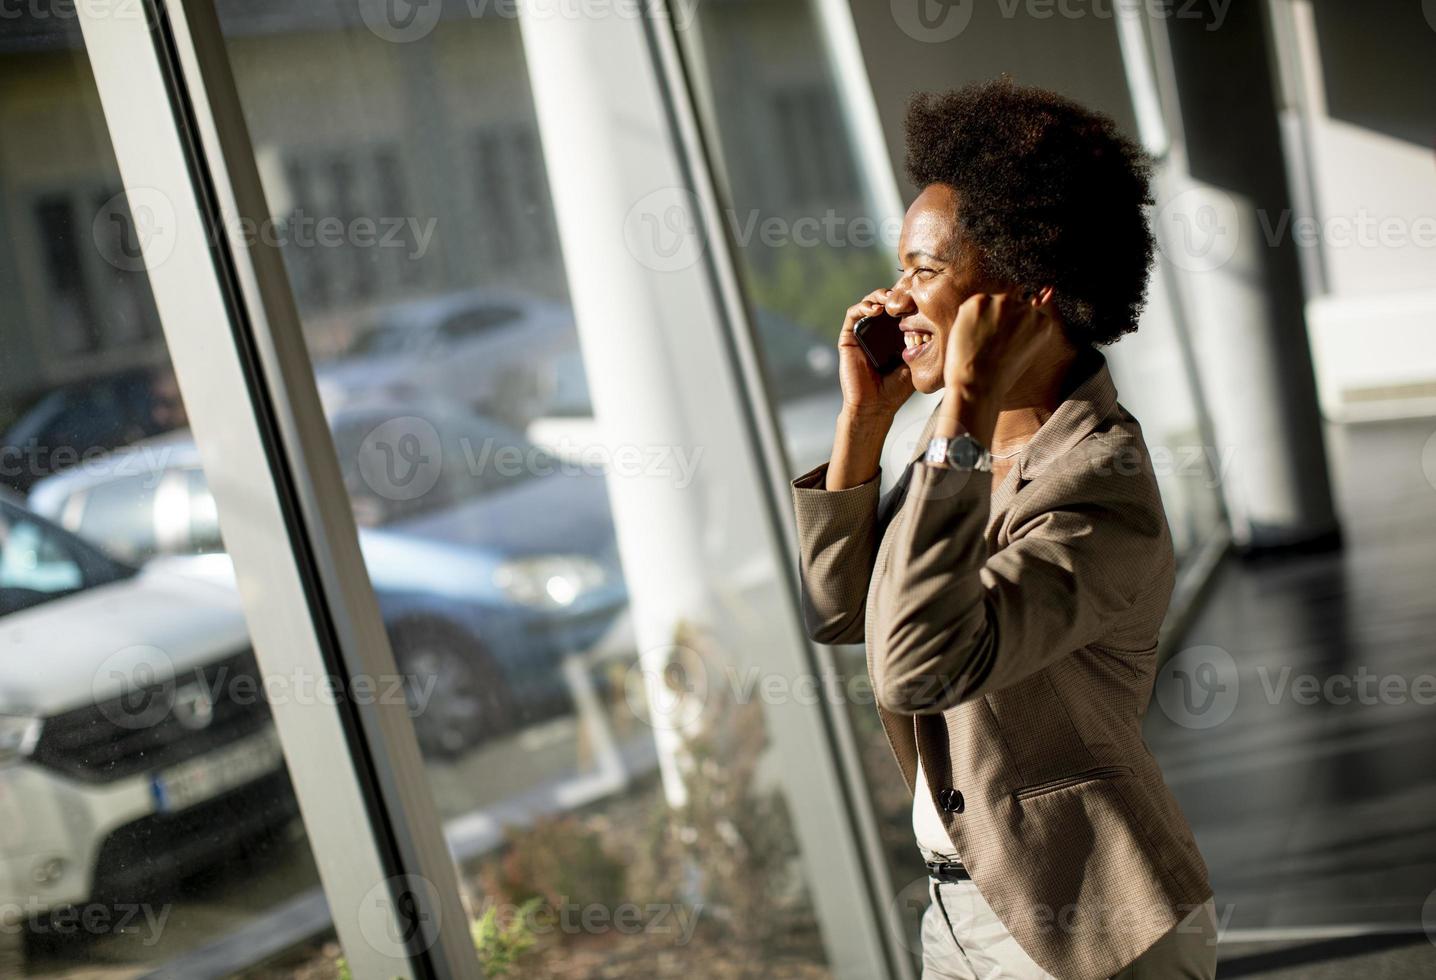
x: 384, y: 338
x: 399, y: 330
x: 39, y: 562
x: 410, y: 461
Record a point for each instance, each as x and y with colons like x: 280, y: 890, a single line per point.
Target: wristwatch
x: 961, y: 452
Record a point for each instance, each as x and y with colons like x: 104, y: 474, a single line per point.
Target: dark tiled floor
x: 1386, y: 957
x: 1316, y: 814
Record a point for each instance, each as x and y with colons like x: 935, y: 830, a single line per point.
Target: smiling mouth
x: 915, y: 344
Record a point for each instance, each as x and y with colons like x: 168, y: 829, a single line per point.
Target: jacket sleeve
x: 956, y: 624
x: 837, y: 545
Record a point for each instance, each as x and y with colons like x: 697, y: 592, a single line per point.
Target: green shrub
x: 500, y: 945
x: 814, y: 286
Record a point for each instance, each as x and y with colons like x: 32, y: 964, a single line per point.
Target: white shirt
x: 927, y: 823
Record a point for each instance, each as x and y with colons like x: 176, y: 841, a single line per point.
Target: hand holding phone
x: 875, y: 383
x: 880, y: 337
x: 871, y: 369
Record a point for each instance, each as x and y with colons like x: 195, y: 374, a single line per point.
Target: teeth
x: 912, y: 339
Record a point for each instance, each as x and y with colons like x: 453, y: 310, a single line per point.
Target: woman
x: 1011, y: 586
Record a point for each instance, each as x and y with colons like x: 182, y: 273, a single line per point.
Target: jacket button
x: 951, y: 800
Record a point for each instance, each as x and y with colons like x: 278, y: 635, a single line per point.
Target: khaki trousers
x: 962, y: 939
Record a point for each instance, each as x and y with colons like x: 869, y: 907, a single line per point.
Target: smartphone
x: 880, y: 337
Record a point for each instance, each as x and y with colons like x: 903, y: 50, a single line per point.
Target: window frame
x: 233, y: 333
x: 230, y: 320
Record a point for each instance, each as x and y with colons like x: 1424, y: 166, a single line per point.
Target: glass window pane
x: 145, y: 810
x: 1151, y: 369
x: 790, y: 167
x: 459, y: 404
x: 807, y: 237
x: 788, y: 156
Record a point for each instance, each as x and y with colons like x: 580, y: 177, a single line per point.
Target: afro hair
x: 1049, y: 193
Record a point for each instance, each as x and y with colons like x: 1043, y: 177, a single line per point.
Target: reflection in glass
x: 145, y: 810
x: 775, y: 115
x: 446, y: 356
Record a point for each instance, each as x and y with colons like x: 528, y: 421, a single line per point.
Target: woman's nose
x: 899, y: 300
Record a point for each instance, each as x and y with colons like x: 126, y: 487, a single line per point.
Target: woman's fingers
x: 869, y: 305
x: 855, y: 313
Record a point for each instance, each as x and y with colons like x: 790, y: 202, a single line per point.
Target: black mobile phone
x: 880, y: 337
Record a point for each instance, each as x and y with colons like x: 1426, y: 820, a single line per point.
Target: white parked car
x: 485, y: 582
x: 135, y: 742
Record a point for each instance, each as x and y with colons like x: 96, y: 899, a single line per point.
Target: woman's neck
x: 1032, y: 400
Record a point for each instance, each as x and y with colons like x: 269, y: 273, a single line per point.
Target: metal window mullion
x: 1295, y: 51
x: 235, y: 341
x: 1152, y: 86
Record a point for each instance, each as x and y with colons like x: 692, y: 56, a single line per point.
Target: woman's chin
x: 927, y: 382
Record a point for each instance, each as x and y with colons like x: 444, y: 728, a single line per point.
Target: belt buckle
x: 948, y: 871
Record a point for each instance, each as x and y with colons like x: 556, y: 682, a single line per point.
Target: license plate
x: 213, y: 773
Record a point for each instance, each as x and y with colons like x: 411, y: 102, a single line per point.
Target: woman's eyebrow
x: 918, y: 253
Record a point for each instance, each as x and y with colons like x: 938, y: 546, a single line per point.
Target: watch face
x: 965, y: 453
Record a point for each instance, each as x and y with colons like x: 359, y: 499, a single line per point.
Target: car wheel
x: 455, y: 691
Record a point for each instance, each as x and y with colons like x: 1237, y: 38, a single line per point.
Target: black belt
x: 948, y: 871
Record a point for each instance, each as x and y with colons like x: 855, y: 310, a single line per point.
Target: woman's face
x: 938, y: 274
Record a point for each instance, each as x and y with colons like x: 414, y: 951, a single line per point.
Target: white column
x: 663, y: 378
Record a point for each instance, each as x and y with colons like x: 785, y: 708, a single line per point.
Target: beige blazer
x: 1013, y: 635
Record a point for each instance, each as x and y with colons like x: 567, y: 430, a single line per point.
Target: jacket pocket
x: 1076, y: 779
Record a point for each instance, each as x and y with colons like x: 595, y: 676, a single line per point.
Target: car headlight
x: 548, y: 581
x: 17, y: 737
